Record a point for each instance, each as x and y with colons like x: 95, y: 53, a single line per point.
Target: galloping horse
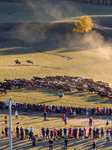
x: 28, y: 61
x: 17, y: 62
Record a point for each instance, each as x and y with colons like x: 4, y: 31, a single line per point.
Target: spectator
x: 17, y: 131
x: 75, y: 133
x: 50, y: 144
x: 5, y: 119
x: 74, y: 113
x: 94, y: 133
x: 80, y: 132
x: 90, y: 121
x: 108, y: 137
x: 33, y: 140
x: 65, y: 132
x: 22, y: 133
x: 45, y: 115
x: 47, y: 133
x: 55, y: 133
x: 63, y: 116
x: 31, y: 133
x: 51, y: 134
x: 111, y: 134
x: 60, y: 133
x: 43, y: 133
x: 66, y: 143
x: 102, y: 132
x: 94, y: 145
x: 26, y: 132
x: 84, y: 132
x: 6, y: 131
x: 16, y: 114
x: 90, y: 132
x: 65, y: 120
x: 97, y: 132
x: 69, y: 132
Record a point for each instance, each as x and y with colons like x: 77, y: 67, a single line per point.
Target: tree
x: 84, y: 25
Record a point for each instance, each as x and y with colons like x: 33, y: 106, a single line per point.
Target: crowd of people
x: 54, y: 134
x: 57, y: 134
x: 56, y: 109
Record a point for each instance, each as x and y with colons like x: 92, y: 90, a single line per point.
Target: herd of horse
x: 65, y: 83
x: 19, y: 63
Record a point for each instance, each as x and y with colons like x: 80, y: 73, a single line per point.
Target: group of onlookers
x: 54, y: 134
x: 56, y: 109
x: 61, y: 133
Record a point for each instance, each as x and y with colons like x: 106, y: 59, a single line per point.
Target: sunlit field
x: 43, y: 33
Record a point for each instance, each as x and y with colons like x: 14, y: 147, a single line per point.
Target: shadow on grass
x: 98, y: 100
x: 85, y: 144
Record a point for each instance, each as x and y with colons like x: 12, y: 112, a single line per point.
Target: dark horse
x: 17, y: 62
x: 3, y: 91
x: 29, y: 61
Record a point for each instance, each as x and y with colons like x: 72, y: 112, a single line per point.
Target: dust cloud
x: 60, y: 35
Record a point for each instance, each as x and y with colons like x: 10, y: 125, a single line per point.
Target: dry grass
x: 37, y: 122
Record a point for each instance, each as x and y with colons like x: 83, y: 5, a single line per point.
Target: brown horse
x: 3, y: 91
x: 17, y: 62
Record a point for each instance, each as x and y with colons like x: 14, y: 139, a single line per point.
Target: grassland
x: 43, y: 33
x: 55, y: 50
x: 36, y: 120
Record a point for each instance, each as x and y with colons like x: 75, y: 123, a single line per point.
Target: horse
x: 3, y: 91
x: 17, y: 62
x: 29, y: 61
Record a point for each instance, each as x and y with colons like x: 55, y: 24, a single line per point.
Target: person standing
x: 55, y: 133
x: 66, y: 143
x: 26, y: 132
x: 69, y: 132
x: 51, y: 134
x: 94, y: 145
x: 65, y: 132
x: 74, y: 113
x: 90, y: 130
x: 50, y: 144
x: 16, y: 114
x: 45, y: 115
x: 33, y: 140
x: 43, y: 133
x: 47, y: 133
x: 80, y: 132
x: 65, y: 120
x: 63, y: 116
x: 90, y: 121
x: 60, y: 133
x: 22, y: 133
x: 108, y: 137
x: 6, y: 131
x: 17, y: 131
x: 102, y: 132
x: 94, y: 133
x: 5, y: 119
x: 31, y: 133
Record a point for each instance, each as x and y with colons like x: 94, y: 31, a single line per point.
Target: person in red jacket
x: 69, y: 132
x: 63, y: 116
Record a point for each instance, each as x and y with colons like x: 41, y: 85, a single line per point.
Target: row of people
x: 58, y: 109
x: 62, y: 133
